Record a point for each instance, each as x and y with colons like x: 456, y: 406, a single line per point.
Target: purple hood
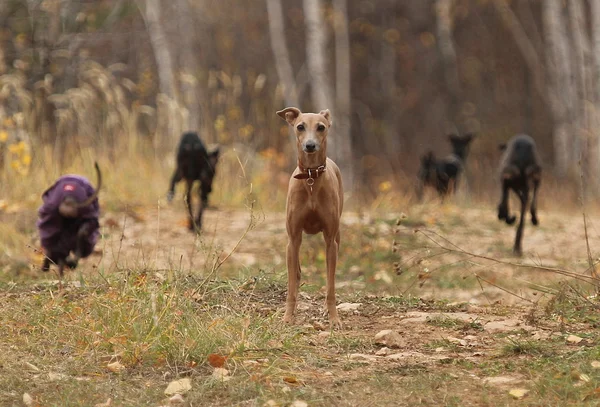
x: 56, y: 230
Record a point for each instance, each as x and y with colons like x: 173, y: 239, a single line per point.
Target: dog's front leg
x: 332, y: 246
x: 293, y: 267
x: 82, y: 235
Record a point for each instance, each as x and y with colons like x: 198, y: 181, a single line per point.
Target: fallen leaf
x: 221, y: 374
x: 55, y: 377
x: 383, y: 351
x: 362, y: 356
x: 105, y: 404
x: 595, y: 364
x: 290, y: 379
x: 271, y: 403
x: 216, y: 360
x: 176, y: 399
x: 518, y: 394
x: 574, y: 339
x: 584, y: 378
x: 593, y: 394
x: 115, y: 367
x: 388, y: 338
x: 348, y: 306
x: 180, y: 386
x: 28, y: 400
x: 31, y: 367
x: 299, y: 403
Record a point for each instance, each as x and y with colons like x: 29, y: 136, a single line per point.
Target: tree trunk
x: 580, y: 50
x: 282, y: 58
x: 448, y: 54
x: 280, y: 52
x: 343, y: 132
x: 594, y: 141
x: 316, y: 40
x: 557, y: 63
x: 151, y: 13
x: 525, y: 46
x: 168, y: 129
x: 188, y: 65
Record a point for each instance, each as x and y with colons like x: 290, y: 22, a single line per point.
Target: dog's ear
x: 502, y: 146
x: 289, y: 114
x: 452, y: 137
x: 326, y: 114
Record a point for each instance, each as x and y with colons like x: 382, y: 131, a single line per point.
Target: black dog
x: 194, y: 163
x: 520, y: 170
x: 68, y: 221
x: 444, y: 174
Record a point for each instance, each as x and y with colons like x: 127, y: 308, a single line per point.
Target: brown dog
x: 314, y: 203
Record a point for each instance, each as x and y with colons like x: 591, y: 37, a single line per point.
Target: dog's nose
x: 310, y: 146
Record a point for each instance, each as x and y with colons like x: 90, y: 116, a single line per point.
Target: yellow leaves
x: 3, y: 136
x: 216, y: 360
x: 115, y: 367
x: 392, y: 36
x: 18, y: 155
x: 385, y: 186
x: 427, y: 39
x: 220, y: 123
x: 17, y: 148
x: 234, y: 113
x: 518, y: 394
x: 246, y: 132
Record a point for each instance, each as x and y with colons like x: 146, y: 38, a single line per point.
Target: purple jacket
x: 58, y: 235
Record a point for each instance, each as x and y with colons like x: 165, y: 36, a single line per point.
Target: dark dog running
x: 520, y: 170
x: 444, y: 174
x: 68, y: 221
x: 194, y: 163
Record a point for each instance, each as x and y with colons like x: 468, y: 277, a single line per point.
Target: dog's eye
x: 320, y: 127
x: 300, y: 127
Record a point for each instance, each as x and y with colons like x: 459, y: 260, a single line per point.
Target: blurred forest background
x: 124, y: 78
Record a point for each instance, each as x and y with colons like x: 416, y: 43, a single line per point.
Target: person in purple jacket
x: 68, y: 221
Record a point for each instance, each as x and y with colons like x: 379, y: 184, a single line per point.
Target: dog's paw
x: 502, y: 213
x: 535, y: 221
x: 288, y: 319
x: 71, y: 262
x: 511, y: 219
x: 336, y: 323
x: 170, y: 197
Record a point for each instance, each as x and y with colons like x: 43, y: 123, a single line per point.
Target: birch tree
x: 448, y: 55
x: 188, y: 64
x: 343, y: 95
x: 559, y: 72
x: 168, y: 127
x: 581, y: 68
x: 321, y: 90
x: 151, y: 13
x: 594, y: 141
x: 281, y: 53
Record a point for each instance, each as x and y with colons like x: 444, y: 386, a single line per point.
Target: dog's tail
x: 93, y: 197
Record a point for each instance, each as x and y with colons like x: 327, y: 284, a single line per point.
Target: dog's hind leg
x: 536, y: 186
x: 188, y: 203
x: 199, y: 211
x: 332, y: 247
x: 293, y: 267
x: 524, y: 197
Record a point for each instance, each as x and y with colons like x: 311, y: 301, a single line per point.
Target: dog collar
x: 309, y: 174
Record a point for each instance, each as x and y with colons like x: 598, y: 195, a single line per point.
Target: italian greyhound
x: 314, y: 203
